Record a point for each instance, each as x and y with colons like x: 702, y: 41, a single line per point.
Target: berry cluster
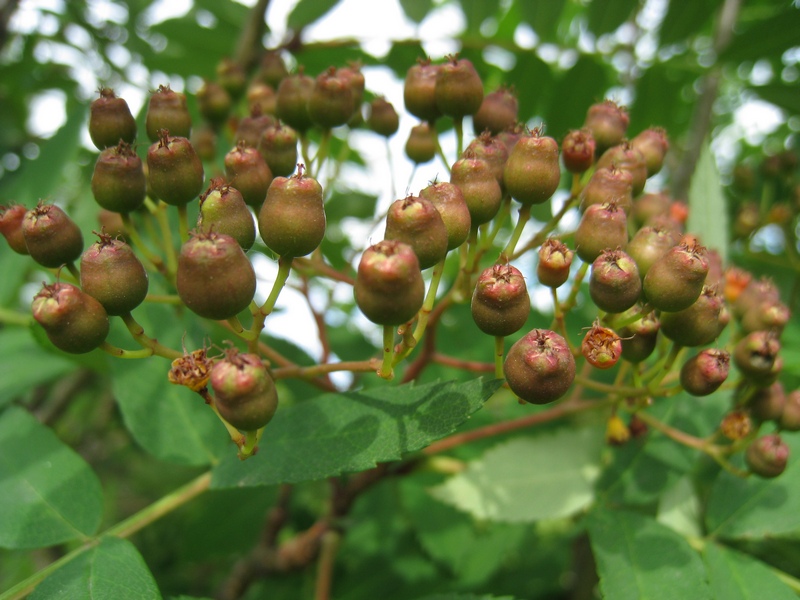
x: 657, y: 289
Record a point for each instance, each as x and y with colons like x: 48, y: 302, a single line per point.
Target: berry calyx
x: 244, y: 391
x: 214, y: 278
x: 577, y: 151
x: 113, y: 275
x: 500, y: 303
x: 601, y: 346
x: 292, y: 219
x: 73, y: 321
x: 539, y: 367
x: 389, y: 289
x: 52, y: 238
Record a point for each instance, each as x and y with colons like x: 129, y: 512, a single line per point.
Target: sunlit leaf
x: 306, y: 12
x: 606, y: 15
x: 736, y: 576
x: 708, y: 214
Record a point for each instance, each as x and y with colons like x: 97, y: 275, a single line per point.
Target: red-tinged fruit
x: 608, y: 122
x: 52, y: 238
x: 459, y: 89
x: 698, y: 324
x: 768, y: 403
x: 790, y: 417
x: 113, y: 275
x: 639, y: 337
x: 479, y: 186
x: 626, y: 158
x: 416, y: 222
x: 223, y: 210
x: 539, y: 367
x: 756, y: 356
x: 118, y: 181
x: 555, y: 259
x: 577, y: 151
x: 421, y: 144
x: 252, y: 127
x: 389, y: 289
x: 419, y: 90
x: 767, y: 456
x: 110, y: 120
x: 649, y: 244
x: 493, y: 151
x: 244, y: 391
x: 73, y: 321
x: 653, y: 145
x: 249, y: 172
x: 602, y: 227
x: 167, y: 109
x: 601, y: 346
x: 383, y: 118
x: 532, y: 172
x: 674, y: 281
x: 447, y: 198
x: 11, y: 218
x: 214, y: 103
x: 705, y: 372
x: 498, y: 111
x: 614, y: 282
x: 606, y: 185
x: 174, y: 171
x: 331, y: 102
x: 278, y: 146
x: 500, y: 303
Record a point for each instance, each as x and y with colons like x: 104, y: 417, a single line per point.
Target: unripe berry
x: 614, y: 283
x: 223, y: 210
x: 244, y: 392
x: 449, y: 201
x: 790, y: 417
x: 231, y: 77
x: 493, y: 151
x: 603, y: 226
x: 167, y: 110
x: 767, y: 315
x: 532, y: 172
x: 479, y: 186
x: 421, y: 143
x: 252, y: 127
x: 292, y: 219
x: 354, y: 78
x: 73, y: 321
x: 736, y: 425
x: 459, y: 89
x: 608, y: 123
x: 702, y: 374
x: 626, y: 158
x: 608, y: 184
x: 649, y: 206
x: 756, y: 356
x: 601, y: 347
x: 416, y: 222
x: 754, y: 293
x: 498, y: 111
x: 383, y: 118
x: 110, y: 120
x: 555, y: 259
x: 52, y: 238
x: 639, y: 338
x: 278, y: 146
x: 331, y: 101
x: 113, y: 275
x: 174, y: 170
x: 118, y: 181
x: 674, y: 282
x: 272, y: 69
x: 11, y: 218
x: 696, y: 325
x: 204, y: 141
x: 577, y: 151
x: 389, y: 289
x: 767, y: 456
x: 248, y: 171
x: 539, y: 367
x: 419, y: 91
x: 263, y: 97
x: 214, y: 279
x: 214, y: 103
x: 500, y: 303
x: 653, y: 145
x: 649, y: 244
x: 767, y: 403
x: 112, y: 223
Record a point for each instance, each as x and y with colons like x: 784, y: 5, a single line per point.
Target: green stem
x: 304, y: 147
x: 122, y: 530
x: 386, y: 371
x: 260, y: 314
x: 524, y: 216
x: 159, y: 211
x: 458, y: 125
x: 674, y: 351
x: 120, y: 353
x: 499, y: 350
x: 439, y: 149
x: 250, y: 445
x: 137, y: 331
x: 164, y: 299
x: 74, y: 270
x: 542, y: 234
x: 424, y: 313
x: 322, y: 154
x: 153, y: 259
x: 236, y: 436
x: 12, y: 317
x: 183, y: 223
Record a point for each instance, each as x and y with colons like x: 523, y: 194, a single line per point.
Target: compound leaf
x: 736, y: 576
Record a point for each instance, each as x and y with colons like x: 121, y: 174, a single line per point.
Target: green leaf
x: 736, y: 576
x: 684, y: 19
x: 679, y: 508
x: 306, y: 12
x: 416, y: 10
x: 708, y: 215
x: 659, y: 98
x: 353, y: 431
x: 477, y: 11
x: 533, y: 79
x: 454, y: 596
x: 766, y: 38
x: 606, y: 15
x: 572, y: 95
x: 785, y: 96
x: 639, y: 558
x: 529, y: 479
x: 753, y: 507
x: 112, y: 570
x: 50, y: 495
x: 39, y: 367
x: 542, y: 16
x: 350, y: 203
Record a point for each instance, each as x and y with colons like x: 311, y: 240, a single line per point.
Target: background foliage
x: 87, y: 442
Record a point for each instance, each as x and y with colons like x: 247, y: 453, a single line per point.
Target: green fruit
x: 555, y: 259
x: 118, y: 181
x: 223, y: 210
x: 167, y: 110
x: 416, y: 222
x: 331, y: 102
x: 532, y: 172
x: 421, y: 144
x: 479, y: 187
x: 244, y: 391
x: 493, y: 151
x: 419, y: 91
x: 110, y: 120
x: 113, y: 275
x: 767, y: 456
x: 767, y: 404
x: 262, y: 97
x: 790, y: 417
x: 539, y: 367
x: 278, y: 146
x: 252, y: 127
x: 626, y: 158
x: 614, y: 283
x: 696, y: 325
x: 498, y: 111
x: 272, y: 69
x: 292, y: 104
x: 608, y: 123
x: 383, y: 118
x: 292, y: 219
x: 11, y: 218
x: 577, y: 151
x: 500, y: 303
x: 607, y: 184
x: 52, y: 238
x: 214, y: 103
x: 756, y: 356
x: 650, y: 206
x: 449, y: 201
x: 231, y: 77
x: 649, y: 244
x: 705, y: 372
x: 653, y: 145
x: 459, y: 89
x: 674, y: 281
x: 214, y: 279
x: 73, y: 321
x: 639, y: 338
x: 602, y: 227
x: 389, y: 289
x: 174, y: 170
x: 249, y: 172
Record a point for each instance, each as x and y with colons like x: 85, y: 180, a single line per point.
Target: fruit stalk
x: 386, y: 371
